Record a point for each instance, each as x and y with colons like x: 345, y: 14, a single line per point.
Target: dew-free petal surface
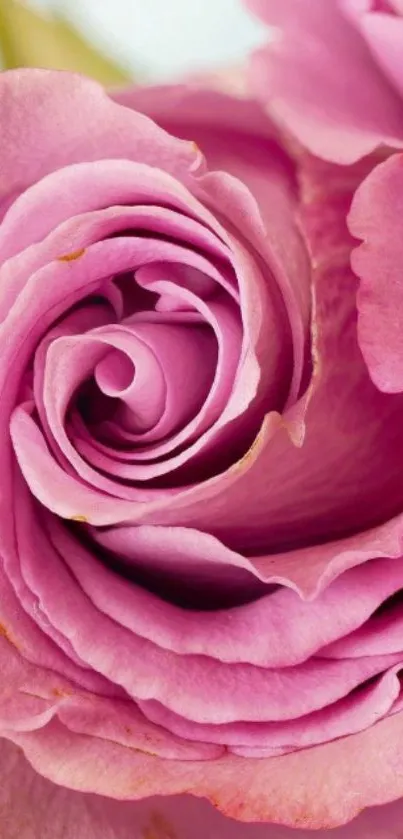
x: 319, y: 78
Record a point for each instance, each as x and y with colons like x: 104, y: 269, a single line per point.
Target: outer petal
x: 34, y: 808
x: 50, y: 119
x: 384, y: 35
x: 147, y: 671
x: 321, y: 81
x: 211, y: 112
x: 376, y: 218
x: 318, y: 788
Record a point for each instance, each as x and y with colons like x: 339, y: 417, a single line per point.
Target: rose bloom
x: 201, y: 486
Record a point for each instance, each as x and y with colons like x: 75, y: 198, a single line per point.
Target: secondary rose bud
x: 332, y: 73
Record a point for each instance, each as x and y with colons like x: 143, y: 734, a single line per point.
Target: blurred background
x: 150, y: 40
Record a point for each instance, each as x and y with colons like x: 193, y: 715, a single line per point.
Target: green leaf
x: 31, y: 39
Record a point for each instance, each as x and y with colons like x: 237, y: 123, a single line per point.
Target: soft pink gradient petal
x: 226, y: 635
x: 320, y: 80
x: 35, y: 808
x: 180, y: 560
x: 31, y: 697
x: 25, y: 634
x: 71, y: 592
x: 250, y: 739
x: 83, y: 188
x: 382, y: 633
x: 376, y: 219
x: 320, y: 788
x: 384, y: 36
x: 309, y: 570
x: 40, y: 109
x: 63, y: 587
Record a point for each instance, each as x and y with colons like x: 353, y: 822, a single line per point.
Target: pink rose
x: 333, y: 73
x: 201, y: 489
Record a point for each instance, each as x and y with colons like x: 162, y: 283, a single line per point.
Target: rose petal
x: 384, y: 36
x: 374, y: 217
x: 226, y: 635
x: 110, y: 649
x: 104, y: 129
x: 31, y: 697
x: 30, y: 805
x: 321, y: 81
x: 319, y: 788
x: 354, y: 713
x: 87, y: 187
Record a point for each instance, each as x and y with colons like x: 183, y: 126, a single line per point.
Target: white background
x: 160, y: 39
